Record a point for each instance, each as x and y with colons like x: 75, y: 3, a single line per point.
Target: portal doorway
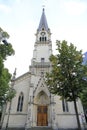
x: 42, y: 118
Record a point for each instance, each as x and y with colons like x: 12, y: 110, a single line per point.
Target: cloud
x: 18, y: 1
x: 5, y: 8
x: 75, y: 7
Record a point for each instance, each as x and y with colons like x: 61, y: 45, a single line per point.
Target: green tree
x: 84, y: 98
x: 5, y: 77
x: 84, y: 93
x: 84, y: 102
x: 66, y: 78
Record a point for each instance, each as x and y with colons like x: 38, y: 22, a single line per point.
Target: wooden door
x: 42, y: 116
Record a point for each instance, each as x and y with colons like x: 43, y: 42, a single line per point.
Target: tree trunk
x: 3, y: 114
x: 8, y: 115
x: 77, y: 116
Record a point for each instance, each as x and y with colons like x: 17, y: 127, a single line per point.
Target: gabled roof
x: 41, y: 86
x: 43, y: 22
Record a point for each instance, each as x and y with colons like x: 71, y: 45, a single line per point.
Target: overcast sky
x: 67, y: 20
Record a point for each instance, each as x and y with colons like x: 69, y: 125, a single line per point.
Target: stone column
x: 53, y: 112
x: 29, y: 122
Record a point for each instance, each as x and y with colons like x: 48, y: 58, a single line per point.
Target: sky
x: 67, y: 20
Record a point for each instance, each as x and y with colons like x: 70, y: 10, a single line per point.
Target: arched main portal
x: 42, y: 108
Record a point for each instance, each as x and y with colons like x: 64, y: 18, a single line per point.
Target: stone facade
x: 34, y: 105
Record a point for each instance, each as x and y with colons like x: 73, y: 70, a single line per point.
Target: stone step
x: 32, y: 128
x: 40, y: 128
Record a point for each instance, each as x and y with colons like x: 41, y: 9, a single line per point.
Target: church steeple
x: 42, y: 47
x: 43, y: 22
x: 43, y: 34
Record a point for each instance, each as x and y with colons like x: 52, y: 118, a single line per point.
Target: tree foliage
x: 68, y: 74
x: 84, y: 93
x: 5, y: 77
x: 84, y: 98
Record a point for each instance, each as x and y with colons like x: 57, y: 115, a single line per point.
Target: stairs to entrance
x: 40, y: 128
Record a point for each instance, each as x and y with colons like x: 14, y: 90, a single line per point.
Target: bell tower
x: 42, y: 47
x: 39, y: 95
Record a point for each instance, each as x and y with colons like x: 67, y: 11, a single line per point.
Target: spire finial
x: 43, y: 7
x: 13, y: 78
x: 14, y: 74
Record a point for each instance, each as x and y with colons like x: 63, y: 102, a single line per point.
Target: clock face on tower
x: 42, y: 33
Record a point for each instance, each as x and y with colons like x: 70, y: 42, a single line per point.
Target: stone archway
x: 42, y: 102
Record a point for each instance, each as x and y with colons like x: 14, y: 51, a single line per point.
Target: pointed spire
x: 14, y: 74
x: 13, y: 78
x: 43, y: 22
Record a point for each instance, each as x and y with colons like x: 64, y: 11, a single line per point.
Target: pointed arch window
x: 40, y: 39
x: 20, y: 102
x: 65, y: 105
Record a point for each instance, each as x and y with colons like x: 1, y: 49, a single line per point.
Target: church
x: 34, y: 106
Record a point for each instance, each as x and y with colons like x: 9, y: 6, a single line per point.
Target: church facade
x: 34, y: 105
